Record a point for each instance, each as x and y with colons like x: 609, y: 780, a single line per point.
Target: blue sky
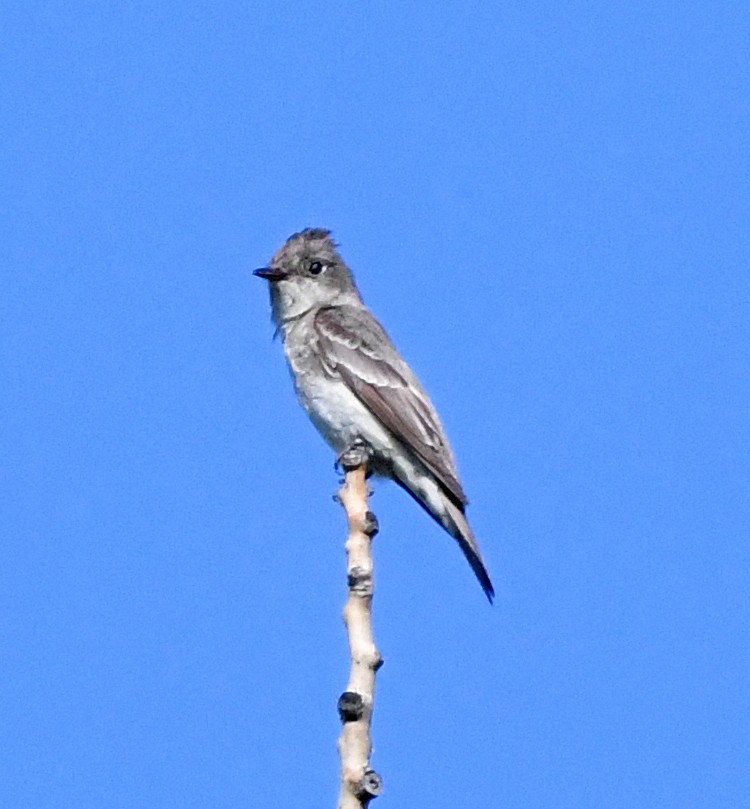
x: 547, y: 206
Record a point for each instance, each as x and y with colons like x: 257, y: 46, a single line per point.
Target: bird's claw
x: 354, y: 456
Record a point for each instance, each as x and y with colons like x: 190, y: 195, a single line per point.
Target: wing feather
x: 355, y: 346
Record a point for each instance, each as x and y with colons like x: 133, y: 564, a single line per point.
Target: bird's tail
x: 449, y: 512
x: 457, y: 525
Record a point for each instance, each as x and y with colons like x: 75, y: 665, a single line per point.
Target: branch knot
x: 351, y: 706
x: 370, y: 786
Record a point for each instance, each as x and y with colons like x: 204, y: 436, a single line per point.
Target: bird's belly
x: 339, y: 415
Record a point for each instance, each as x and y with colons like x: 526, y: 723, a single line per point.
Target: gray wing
x: 356, y: 347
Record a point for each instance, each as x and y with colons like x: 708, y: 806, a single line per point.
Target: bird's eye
x: 316, y: 268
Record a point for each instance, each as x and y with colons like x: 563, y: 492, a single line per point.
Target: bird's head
x: 307, y: 272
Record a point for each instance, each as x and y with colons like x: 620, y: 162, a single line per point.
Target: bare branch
x: 359, y: 783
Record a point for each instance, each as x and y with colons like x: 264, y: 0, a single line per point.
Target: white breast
x: 337, y: 413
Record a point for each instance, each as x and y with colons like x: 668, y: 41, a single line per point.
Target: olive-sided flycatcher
x: 355, y: 386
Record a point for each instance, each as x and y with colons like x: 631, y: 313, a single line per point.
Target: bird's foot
x: 356, y: 455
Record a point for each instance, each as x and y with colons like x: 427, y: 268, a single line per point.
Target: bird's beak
x: 271, y: 273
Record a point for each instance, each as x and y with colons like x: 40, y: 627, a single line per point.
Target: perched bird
x: 355, y: 386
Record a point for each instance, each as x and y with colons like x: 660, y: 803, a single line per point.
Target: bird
x: 355, y: 386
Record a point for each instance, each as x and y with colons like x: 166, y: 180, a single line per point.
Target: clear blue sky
x: 548, y: 206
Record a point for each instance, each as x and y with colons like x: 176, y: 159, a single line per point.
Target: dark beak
x: 271, y: 273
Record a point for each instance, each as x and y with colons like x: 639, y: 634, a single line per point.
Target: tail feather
x: 468, y: 544
x: 441, y: 507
